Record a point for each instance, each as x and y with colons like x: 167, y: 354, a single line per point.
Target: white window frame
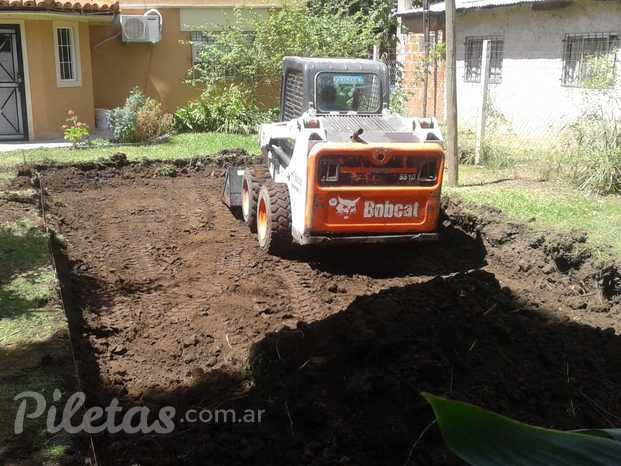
x: 75, y: 54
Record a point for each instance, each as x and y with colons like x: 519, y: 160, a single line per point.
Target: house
x: 541, y: 56
x: 56, y: 56
x: 45, y: 64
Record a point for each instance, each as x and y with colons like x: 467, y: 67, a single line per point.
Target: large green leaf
x: 483, y: 438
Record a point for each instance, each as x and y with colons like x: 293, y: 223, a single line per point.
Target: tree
x: 254, y: 59
x: 380, y: 12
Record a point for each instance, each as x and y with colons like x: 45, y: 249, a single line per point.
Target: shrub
x: 230, y: 110
x: 592, y: 143
x: 152, y: 122
x: 593, y: 157
x: 122, y: 122
x: 75, y: 131
x: 141, y: 119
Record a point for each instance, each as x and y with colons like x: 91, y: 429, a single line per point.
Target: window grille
x: 199, y: 41
x: 474, y: 57
x: 589, y: 58
x: 66, y: 54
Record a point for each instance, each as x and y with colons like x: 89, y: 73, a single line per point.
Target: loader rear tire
x: 274, y: 218
x: 254, y: 178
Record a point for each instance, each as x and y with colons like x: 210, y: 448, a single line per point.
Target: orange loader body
x: 363, y: 209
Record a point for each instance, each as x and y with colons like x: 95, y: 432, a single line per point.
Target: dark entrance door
x: 13, y: 124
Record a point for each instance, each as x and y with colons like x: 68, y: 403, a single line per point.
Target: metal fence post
x: 485, y: 69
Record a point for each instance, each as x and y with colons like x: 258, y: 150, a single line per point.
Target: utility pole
x: 452, y: 156
x: 426, y: 59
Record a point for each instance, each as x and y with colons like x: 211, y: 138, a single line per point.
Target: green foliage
x: 380, y: 12
x: 483, y: 438
x: 168, y: 169
x: 75, y: 131
x: 141, y: 119
x: 255, y: 59
x: 592, y: 146
x: 398, y: 100
x: 599, y: 72
x: 122, y: 122
x: 237, y: 65
x: 230, y: 110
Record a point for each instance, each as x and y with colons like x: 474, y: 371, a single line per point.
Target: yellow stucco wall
x: 159, y: 69
x: 50, y: 103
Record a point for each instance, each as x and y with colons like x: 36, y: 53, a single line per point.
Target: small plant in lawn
x: 168, y: 170
x: 141, y: 119
x: 75, y: 131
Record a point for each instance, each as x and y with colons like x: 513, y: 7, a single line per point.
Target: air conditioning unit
x: 141, y: 28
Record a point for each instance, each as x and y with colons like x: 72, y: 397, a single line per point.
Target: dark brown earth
x: 171, y: 302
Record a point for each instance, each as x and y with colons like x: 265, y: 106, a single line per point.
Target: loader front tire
x: 254, y: 177
x: 274, y: 218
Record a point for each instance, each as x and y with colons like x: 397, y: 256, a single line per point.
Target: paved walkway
x: 27, y: 145
x: 49, y: 143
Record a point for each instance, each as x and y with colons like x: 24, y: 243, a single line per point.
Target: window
x: 199, y: 41
x: 474, y: 57
x: 589, y: 58
x: 345, y: 92
x: 67, y: 53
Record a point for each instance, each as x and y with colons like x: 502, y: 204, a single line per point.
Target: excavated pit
x: 172, y: 303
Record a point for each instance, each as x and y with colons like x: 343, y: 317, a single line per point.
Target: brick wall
x: 412, y: 55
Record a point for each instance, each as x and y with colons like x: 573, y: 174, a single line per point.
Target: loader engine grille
x: 351, y: 123
x: 378, y: 170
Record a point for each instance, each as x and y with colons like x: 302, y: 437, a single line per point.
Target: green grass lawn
x: 33, y: 329
x: 180, y: 146
x: 552, y: 204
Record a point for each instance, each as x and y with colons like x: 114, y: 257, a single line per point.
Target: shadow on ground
x: 345, y: 390
x: 456, y: 252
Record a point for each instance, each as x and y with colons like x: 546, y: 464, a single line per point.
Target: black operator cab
x: 333, y: 86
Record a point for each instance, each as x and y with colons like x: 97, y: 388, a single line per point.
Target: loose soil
x: 172, y: 303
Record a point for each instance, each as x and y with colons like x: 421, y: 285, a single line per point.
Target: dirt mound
x: 117, y: 165
x: 171, y: 302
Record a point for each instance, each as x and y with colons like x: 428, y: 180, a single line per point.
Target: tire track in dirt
x: 336, y: 343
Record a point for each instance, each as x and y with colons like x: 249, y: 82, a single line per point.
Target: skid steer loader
x: 339, y: 166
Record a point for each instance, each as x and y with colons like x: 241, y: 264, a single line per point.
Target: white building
x: 539, y: 55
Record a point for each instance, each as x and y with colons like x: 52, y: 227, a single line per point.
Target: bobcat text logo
x: 389, y: 210
x: 345, y: 207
